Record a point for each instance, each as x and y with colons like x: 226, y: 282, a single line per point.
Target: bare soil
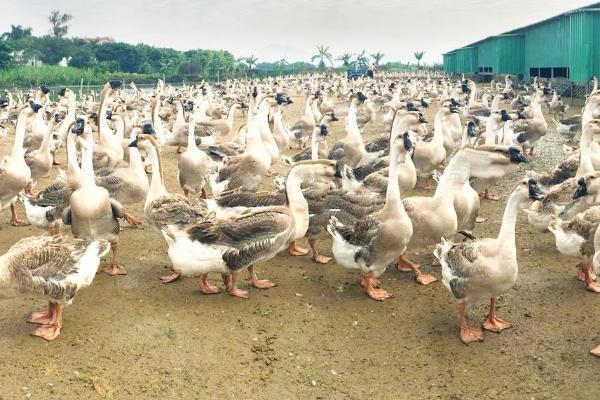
x: 314, y: 336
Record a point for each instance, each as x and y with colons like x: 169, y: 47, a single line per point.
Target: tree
x: 58, y: 22
x: 361, y: 58
x: 322, y: 55
x: 6, y: 58
x: 52, y: 49
x: 345, y: 59
x: 82, y: 55
x: 280, y: 65
x: 377, y: 57
x: 250, y: 61
x: 17, y: 32
x: 418, y: 56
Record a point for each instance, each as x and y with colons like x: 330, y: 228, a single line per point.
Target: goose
x: 318, y: 146
x: 109, y: 152
x: 575, y: 238
x: 562, y: 181
x: 69, y: 119
x: 230, y: 245
x: 14, y: 172
x: 375, y: 241
x: 162, y: 209
x: 53, y: 266
x: 40, y: 160
x: 556, y: 106
x: 91, y: 213
x: 407, y: 173
x: 428, y: 156
x: 45, y: 209
x: 127, y: 185
x: 246, y: 170
x: 193, y: 165
x: 262, y: 119
x: 483, y: 269
x: 350, y: 150
x: 364, y: 117
x: 304, y: 126
x: 281, y: 133
x: 223, y: 126
x: 436, y: 217
x: 567, y: 126
x: 531, y: 130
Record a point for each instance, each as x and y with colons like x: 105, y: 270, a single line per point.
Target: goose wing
x: 461, y: 263
x: 176, y: 210
x: 42, y: 264
x: 246, y: 198
x: 250, y: 237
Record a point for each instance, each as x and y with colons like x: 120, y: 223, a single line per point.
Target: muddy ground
x: 314, y: 336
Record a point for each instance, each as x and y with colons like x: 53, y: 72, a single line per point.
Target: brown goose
x: 53, y: 266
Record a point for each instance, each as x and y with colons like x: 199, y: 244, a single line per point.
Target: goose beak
x: 334, y: 118
x: 453, y: 109
x: 582, y: 189
x: 407, y: 142
x: 134, y: 143
x: 411, y: 107
x: 62, y: 91
x: 148, y: 129
x: 471, y: 130
x: 324, y: 130
x: 45, y: 89
x: 422, y: 119
x: 35, y: 107
x: 115, y: 84
x: 516, y: 156
x: 79, y: 127
x: 535, y: 193
x: 505, y: 116
x: 108, y: 114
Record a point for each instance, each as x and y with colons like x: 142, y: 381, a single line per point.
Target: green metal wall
x: 487, y: 54
x: 466, y: 59
x: 571, y: 40
x: 450, y: 62
x: 510, y: 50
x: 547, y: 45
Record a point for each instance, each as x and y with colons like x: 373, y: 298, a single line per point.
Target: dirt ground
x: 314, y: 336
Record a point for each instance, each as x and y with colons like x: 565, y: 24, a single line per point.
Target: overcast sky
x: 273, y: 29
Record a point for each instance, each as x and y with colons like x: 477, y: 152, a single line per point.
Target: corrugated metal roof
x: 591, y: 7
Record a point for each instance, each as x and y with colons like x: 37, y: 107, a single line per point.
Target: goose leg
x: 420, y: 277
x: 295, y: 250
x: 372, y: 287
x: 581, y: 274
x: 405, y: 265
x: 43, y: 317
x: 493, y: 323
x: 590, y: 284
x: 232, y: 288
x: 114, y: 268
x: 205, y: 286
x: 467, y: 333
x: 488, y: 196
x: 14, y: 219
x: 186, y: 193
x: 171, y: 278
x: 203, y: 194
x: 259, y: 283
x: 318, y: 258
x: 52, y: 330
x: 131, y: 220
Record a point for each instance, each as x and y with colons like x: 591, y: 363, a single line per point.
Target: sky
x: 275, y: 29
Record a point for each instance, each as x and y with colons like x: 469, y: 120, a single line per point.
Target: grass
x: 52, y: 75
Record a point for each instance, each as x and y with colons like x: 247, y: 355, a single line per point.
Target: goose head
x: 588, y: 185
x: 471, y: 129
x: 528, y: 190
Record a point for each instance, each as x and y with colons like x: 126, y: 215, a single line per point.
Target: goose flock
x: 353, y: 191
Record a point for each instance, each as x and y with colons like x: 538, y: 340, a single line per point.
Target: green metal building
x: 566, y: 46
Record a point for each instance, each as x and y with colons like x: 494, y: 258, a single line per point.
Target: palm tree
x: 250, y: 61
x: 361, y: 58
x: 322, y: 55
x: 377, y: 57
x: 280, y: 64
x: 419, y: 55
x: 345, y: 59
